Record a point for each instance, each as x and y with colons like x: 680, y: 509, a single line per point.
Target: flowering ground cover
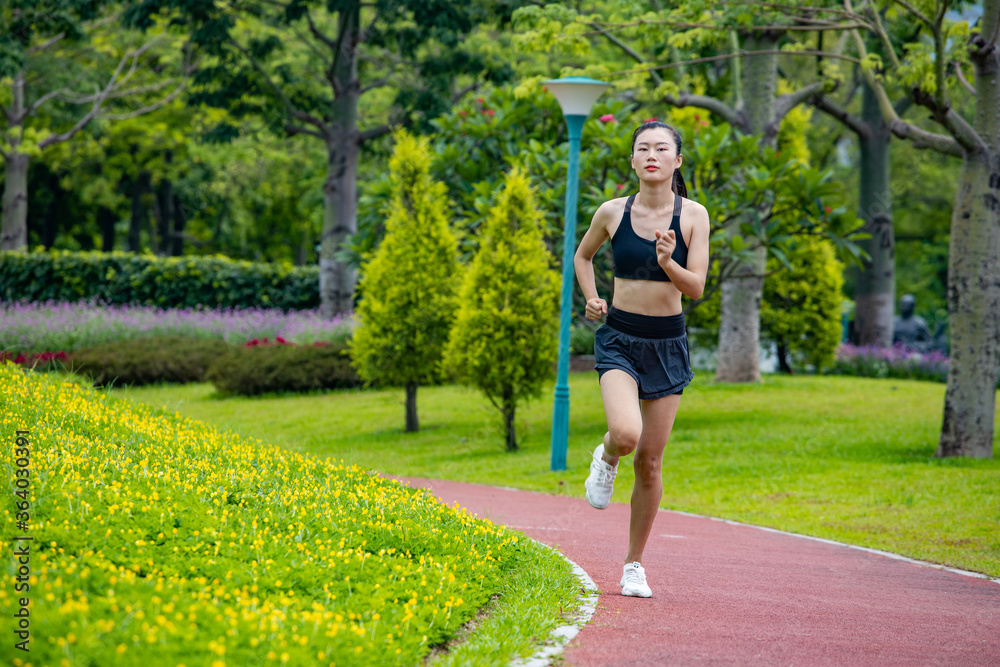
x: 159, y: 540
x: 64, y: 327
x: 890, y: 362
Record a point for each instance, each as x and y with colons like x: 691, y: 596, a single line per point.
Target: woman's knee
x: 624, y: 440
x: 648, y: 468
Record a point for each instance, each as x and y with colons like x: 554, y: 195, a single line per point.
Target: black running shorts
x: 653, y: 350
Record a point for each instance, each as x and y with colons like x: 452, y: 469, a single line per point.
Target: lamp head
x: 576, y: 94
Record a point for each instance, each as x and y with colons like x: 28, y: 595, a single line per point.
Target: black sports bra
x: 635, y: 257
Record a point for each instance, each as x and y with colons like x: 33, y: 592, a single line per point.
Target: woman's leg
x: 620, y: 395
x: 657, y: 421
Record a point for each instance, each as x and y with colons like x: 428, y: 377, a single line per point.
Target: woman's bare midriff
x: 646, y: 297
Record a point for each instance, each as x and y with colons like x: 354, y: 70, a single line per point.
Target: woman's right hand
x: 596, y: 309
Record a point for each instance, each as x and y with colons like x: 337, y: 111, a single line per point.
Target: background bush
x: 581, y: 339
x: 168, y: 282
x: 263, y: 369
x: 148, y: 360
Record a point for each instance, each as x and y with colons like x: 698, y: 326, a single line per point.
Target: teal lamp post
x: 576, y: 95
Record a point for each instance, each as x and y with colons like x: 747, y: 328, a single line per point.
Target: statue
x: 909, y: 329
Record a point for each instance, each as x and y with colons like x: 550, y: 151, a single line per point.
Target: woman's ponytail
x: 678, y: 185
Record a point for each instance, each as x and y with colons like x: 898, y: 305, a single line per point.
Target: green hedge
x: 246, y: 370
x: 166, y: 282
x: 264, y: 369
x: 148, y: 360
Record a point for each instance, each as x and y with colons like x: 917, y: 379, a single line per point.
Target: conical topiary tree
x: 407, y: 289
x: 505, y: 337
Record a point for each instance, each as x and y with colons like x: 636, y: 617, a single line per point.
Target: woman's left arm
x: 690, y: 280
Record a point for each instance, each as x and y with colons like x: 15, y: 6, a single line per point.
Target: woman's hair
x: 678, y: 183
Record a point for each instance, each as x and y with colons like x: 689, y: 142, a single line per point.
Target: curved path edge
x: 728, y: 593
x: 562, y: 635
x: 879, y: 552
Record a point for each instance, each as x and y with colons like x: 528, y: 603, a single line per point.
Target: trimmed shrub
x: 148, y: 360
x: 801, y: 307
x: 408, y: 288
x: 261, y: 369
x: 506, y: 332
x: 147, y: 280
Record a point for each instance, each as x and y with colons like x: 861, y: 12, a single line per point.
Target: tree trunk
x: 303, y: 252
x: 106, y: 219
x: 177, y: 238
x: 14, y: 222
x: 875, y: 287
x: 412, y: 423
x: 50, y: 216
x: 974, y: 272
x: 165, y: 215
x: 973, y: 313
x: 783, y: 365
x: 340, y: 204
x: 139, y: 214
x: 164, y: 210
x: 739, y: 329
x: 509, y: 408
x: 15, y: 203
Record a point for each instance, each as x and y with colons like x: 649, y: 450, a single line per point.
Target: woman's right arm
x: 583, y: 261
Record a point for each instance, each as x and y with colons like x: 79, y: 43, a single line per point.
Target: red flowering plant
x: 40, y: 360
x: 278, y: 340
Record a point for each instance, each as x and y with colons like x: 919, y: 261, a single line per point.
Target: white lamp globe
x: 576, y: 94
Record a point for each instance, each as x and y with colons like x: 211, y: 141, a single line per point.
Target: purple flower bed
x: 897, y: 361
x: 64, y: 327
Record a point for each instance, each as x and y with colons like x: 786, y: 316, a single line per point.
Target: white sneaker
x: 633, y: 582
x: 601, y: 481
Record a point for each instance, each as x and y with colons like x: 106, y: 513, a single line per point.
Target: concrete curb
x: 562, y: 635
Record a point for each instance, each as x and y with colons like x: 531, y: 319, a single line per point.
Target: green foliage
x: 801, y: 306
x: 263, y: 369
x: 171, y: 282
x: 771, y: 197
x: 148, y: 360
x: 25, y: 22
x: 407, y: 289
x: 482, y: 137
x: 758, y: 197
x: 279, y: 62
x: 506, y: 329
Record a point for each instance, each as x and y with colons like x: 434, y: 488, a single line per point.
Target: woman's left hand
x: 665, y: 244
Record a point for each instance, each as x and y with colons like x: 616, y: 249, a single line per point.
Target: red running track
x: 730, y: 594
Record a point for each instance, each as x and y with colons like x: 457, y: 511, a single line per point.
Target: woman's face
x: 654, y: 156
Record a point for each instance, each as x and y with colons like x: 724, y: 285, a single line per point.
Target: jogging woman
x: 659, y: 240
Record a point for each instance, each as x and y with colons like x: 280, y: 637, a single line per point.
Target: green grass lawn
x: 849, y: 459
